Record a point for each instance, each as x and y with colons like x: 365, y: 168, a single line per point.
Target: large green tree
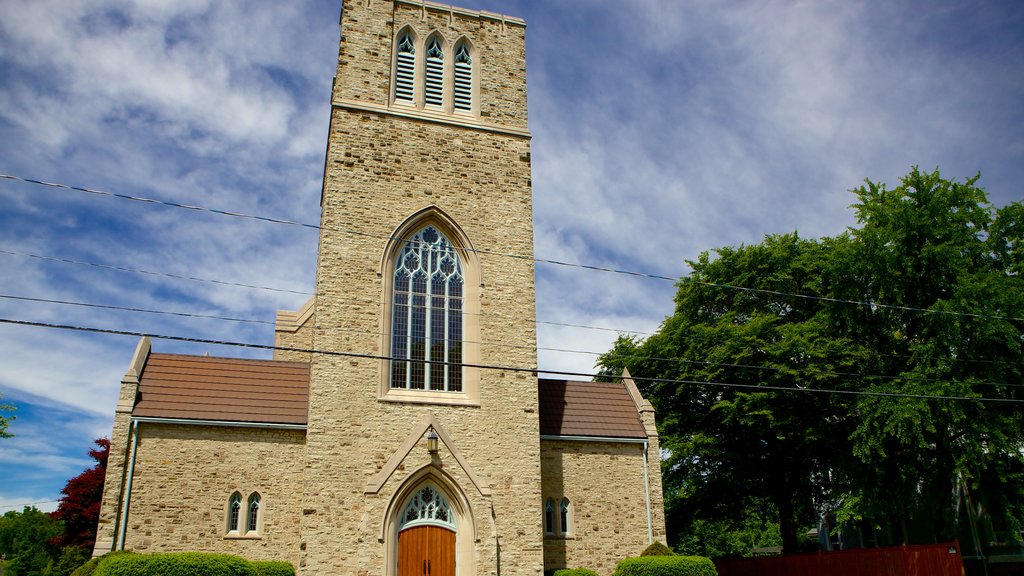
x: 758, y: 375
x: 26, y: 541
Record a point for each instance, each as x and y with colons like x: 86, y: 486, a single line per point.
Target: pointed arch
x: 435, y: 52
x: 463, y: 521
x: 464, y: 76
x: 404, y: 71
x: 234, y: 513
x: 430, y: 302
x: 252, y: 514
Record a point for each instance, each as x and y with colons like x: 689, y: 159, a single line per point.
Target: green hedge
x: 188, y: 564
x: 89, y: 567
x: 666, y: 566
x: 657, y: 549
x: 274, y: 568
x: 574, y: 572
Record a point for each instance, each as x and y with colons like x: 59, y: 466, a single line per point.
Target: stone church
x: 399, y: 428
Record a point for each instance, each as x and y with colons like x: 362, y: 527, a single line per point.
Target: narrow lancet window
x: 463, y: 78
x: 254, y: 512
x: 433, y: 87
x: 426, y: 315
x: 549, y: 516
x: 234, y: 511
x: 405, y: 68
x: 563, y: 516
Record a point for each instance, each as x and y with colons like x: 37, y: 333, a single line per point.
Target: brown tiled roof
x: 223, y: 389
x: 569, y: 408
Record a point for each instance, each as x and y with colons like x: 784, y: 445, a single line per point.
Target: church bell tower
x: 422, y: 446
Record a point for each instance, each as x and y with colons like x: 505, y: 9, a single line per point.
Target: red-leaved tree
x: 79, y: 508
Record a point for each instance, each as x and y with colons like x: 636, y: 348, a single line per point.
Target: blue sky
x: 660, y: 129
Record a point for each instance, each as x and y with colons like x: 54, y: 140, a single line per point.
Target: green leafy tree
x: 755, y: 386
x: 26, y: 539
x: 947, y: 265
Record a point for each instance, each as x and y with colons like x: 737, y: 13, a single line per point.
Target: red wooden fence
x: 923, y: 560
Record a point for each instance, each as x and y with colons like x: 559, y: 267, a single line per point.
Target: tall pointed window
x: 426, y: 320
x: 433, y: 85
x: 463, y: 78
x: 254, y: 512
x: 549, y: 516
x: 405, y: 68
x: 234, y: 511
x: 563, y: 516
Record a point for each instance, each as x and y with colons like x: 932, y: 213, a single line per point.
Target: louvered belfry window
x: 426, y: 315
x: 405, y: 68
x: 433, y: 86
x: 463, y: 78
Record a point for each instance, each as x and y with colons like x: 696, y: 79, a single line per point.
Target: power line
x: 150, y: 272
x: 862, y: 303
x: 532, y: 370
x: 517, y: 346
x: 28, y: 504
x: 256, y: 287
x: 251, y: 286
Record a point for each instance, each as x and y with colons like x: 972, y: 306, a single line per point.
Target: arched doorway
x: 426, y: 535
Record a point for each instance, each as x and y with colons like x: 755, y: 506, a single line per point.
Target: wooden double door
x: 426, y: 551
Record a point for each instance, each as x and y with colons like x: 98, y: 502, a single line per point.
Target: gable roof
x: 223, y: 389
x: 599, y: 409
x: 241, y: 390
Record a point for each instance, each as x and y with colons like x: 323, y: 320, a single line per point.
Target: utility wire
x: 517, y: 346
x: 151, y: 273
x: 251, y: 286
x: 532, y: 371
x: 28, y: 504
x: 862, y: 303
x: 255, y: 287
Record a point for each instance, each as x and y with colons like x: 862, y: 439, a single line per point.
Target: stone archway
x: 426, y: 535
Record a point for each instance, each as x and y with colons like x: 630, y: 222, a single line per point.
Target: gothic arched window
x: 463, y: 77
x: 426, y: 315
x: 234, y: 512
x: 254, y: 512
x: 427, y: 506
x: 564, y: 516
x: 433, y: 79
x: 405, y: 68
x: 549, y: 516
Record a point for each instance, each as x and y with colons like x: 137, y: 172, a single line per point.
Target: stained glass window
x: 427, y: 506
x: 426, y: 315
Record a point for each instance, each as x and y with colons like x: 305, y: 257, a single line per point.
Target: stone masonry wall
x: 604, y: 482
x: 381, y: 168
x: 300, y: 339
x: 365, y: 58
x: 185, y: 474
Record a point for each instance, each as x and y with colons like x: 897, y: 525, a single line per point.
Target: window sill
x: 428, y: 397
x: 246, y: 536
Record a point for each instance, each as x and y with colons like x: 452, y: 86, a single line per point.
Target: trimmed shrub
x: 175, y: 564
x: 276, y: 568
x: 575, y: 572
x: 666, y: 566
x: 89, y: 567
x: 657, y: 549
